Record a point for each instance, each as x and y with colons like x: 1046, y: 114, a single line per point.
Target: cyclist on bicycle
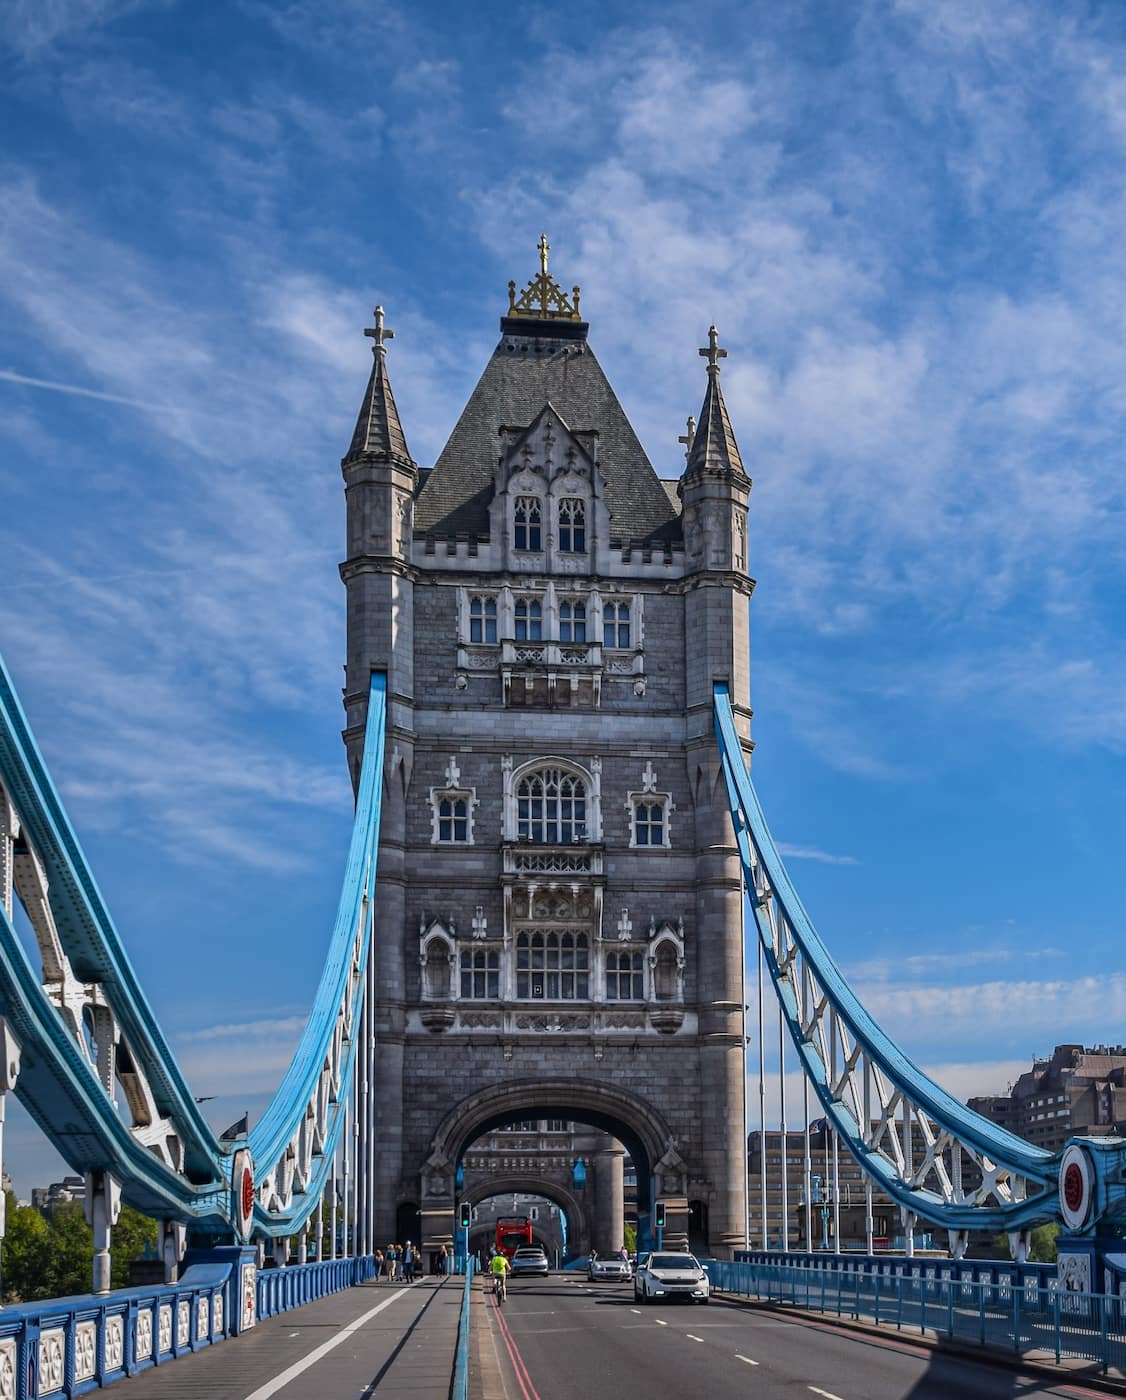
x: 499, y: 1267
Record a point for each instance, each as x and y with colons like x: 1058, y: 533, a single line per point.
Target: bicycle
x: 500, y: 1292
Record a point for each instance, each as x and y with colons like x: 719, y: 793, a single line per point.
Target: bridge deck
x: 379, y: 1339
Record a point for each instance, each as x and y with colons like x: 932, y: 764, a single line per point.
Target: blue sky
x: 906, y: 221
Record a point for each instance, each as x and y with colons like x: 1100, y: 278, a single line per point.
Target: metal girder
x: 86, y: 1028
x: 927, y: 1151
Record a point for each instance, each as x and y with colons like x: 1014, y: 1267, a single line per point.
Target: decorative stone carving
x: 202, y: 1319
x: 217, y: 1315
x: 52, y: 1354
x: 114, y: 1342
x: 552, y: 1023
x: 436, y: 1176
x: 142, y: 1337
x: 8, y: 1368
x: 85, y: 1352
x: 183, y: 1323
x: 671, y: 1171
x: 164, y: 1329
x: 249, y: 1296
x: 479, y: 1020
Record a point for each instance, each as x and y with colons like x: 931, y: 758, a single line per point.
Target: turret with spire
x: 715, y: 485
x: 380, y: 482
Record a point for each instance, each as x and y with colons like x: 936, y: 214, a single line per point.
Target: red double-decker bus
x: 512, y: 1232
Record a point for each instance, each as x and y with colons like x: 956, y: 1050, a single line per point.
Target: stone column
x: 607, y: 1178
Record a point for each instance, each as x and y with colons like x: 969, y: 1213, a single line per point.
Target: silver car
x: 612, y: 1269
x: 529, y: 1259
x: 671, y: 1276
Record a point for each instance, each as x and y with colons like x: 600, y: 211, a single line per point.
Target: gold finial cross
x: 379, y: 333
x: 713, y: 354
x: 543, y: 245
x: 689, y: 438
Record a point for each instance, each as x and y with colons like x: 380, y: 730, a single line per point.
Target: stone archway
x: 636, y: 1124
x: 578, y: 1218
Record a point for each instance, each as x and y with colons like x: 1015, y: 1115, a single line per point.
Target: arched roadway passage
x: 635, y: 1123
x: 528, y: 1184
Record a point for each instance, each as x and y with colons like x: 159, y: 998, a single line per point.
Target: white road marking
x: 636, y: 1310
x: 292, y: 1372
x: 828, y: 1394
x: 693, y: 1338
x: 659, y: 1323
x: 740, y: 1357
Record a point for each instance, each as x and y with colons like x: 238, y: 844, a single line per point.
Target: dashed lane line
x: 692, y: 1338
x: 828, y: 1394
x: 740, y: 1357
x: 660, y: 1322
x: 636, y: 1310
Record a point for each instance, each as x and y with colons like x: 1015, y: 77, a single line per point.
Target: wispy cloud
x: 14, y: 378
x: 811, y: 853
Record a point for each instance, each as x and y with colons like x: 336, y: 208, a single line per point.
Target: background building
x: 1074, y: 1092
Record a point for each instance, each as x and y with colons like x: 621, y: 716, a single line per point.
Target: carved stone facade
x: 559, y: 902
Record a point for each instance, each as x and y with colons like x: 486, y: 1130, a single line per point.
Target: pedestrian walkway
x: 379, y: 1341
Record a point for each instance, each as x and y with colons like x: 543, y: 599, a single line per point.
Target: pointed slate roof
x: 714, y: 447
x: 378, y: 432
x: 534, y: 363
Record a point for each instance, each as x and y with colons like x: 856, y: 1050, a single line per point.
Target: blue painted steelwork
x: 298, y: 1284
x: 461, y: 1358
x: 84, y: 1022
x: 881, y: 1104
x: 1034, y: 1318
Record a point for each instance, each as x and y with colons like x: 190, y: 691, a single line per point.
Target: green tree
x: 26, y: 1253
x: 1041, y: 1245
x: 71, y: 1266
x: 134, y: 1235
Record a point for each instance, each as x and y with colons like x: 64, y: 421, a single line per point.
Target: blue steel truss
x: 930, y: 1153
x: 86, y: 1028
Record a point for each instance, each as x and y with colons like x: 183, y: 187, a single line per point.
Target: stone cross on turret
x: 688, y: 438
x: 712, y: 353
x: 381, y: 333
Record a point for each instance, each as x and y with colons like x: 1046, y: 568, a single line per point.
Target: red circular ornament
x: 247, y: 1192
x: 1073, y: 1185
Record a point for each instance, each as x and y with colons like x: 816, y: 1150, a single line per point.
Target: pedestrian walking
x: 408, y: 1262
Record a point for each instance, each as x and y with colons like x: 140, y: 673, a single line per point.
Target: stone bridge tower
x: 558, y: 918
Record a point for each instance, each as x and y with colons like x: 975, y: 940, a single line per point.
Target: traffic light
x: 659, y: 1215
x: 465, y: 1217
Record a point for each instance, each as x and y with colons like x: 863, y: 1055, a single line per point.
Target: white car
x: 671, y: 1276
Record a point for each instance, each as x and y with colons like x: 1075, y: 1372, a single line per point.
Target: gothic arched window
x: 551, y: 807
x: 528, y: 617
x: 572, y: 621
x: 615, y: 625
x: 553, y: 966
x: 625, y: 977
x: 528, y: 523
x: 483, y: 620
x: 572, y: 526
x: 480, y: 974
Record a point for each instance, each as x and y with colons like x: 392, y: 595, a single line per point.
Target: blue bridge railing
x: 68, y: 1346
x: 1023, y: 1313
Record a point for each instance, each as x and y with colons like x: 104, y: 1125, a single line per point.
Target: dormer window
x: 572, y: 526
x: 483, y: 620
x: 528, y: 522
x: 615, y: 625
x: 527, y: 617
x: 572, y: 621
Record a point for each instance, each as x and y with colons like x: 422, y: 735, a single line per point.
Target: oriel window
x: 528, y: 522
x: 551, y: 807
